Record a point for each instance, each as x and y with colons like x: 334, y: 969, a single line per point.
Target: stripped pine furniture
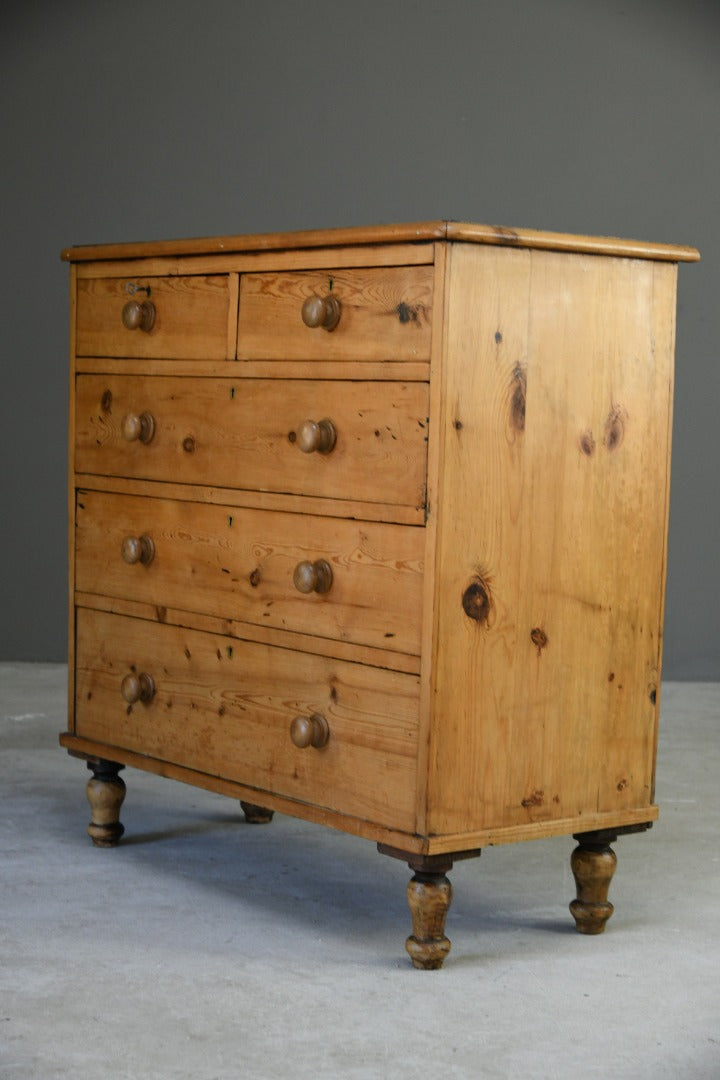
x: 368, y: 526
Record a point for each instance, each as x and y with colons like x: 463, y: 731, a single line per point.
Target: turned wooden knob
x: 316, y: 435
x: 321, y: 311
x: 137, y: 687
x: 138, y: 549
x: 140, y: 427
x: 313, y: 576
x: 139, y: 315
x: 310, y: 731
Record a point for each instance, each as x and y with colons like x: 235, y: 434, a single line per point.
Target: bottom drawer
x: 225, y: 707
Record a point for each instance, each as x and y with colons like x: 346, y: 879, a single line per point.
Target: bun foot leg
x: 256, y: 815
x: 593, y: 864
x: 429, y: 897
x: 105, y: 792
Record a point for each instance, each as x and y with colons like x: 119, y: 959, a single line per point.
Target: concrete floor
x: 203, y: 948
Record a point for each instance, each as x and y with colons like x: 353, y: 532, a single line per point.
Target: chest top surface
x: 384, y: 234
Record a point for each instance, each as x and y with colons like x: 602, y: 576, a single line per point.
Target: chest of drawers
x: 368, y: 526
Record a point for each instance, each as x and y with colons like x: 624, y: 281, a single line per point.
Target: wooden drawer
x: 385, y: 314
x: 240, y: 565
x: 242, y: 434
x: 224, y: 707
x: 190, y: 317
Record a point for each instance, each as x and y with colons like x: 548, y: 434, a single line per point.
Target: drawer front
x: 384, y: 314
x: 189, y: 317
x: 255, y: 565
x: 225, y: 707
x: 247, y: 433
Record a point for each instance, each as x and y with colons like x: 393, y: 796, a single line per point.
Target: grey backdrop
x: 126, y: 121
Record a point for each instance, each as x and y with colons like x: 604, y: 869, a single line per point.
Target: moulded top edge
x: 385, y: 234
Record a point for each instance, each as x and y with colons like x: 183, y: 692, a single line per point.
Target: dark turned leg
x: 593, y: 864
x: 256, y: 815
x: 429, y: 896
x: 105, y: 792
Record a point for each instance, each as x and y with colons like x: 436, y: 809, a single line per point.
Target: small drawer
x: 359, y: 582
x: 374, y: 314
x: 258, y: 434
x: 238, y: 710
x: 180, y: 318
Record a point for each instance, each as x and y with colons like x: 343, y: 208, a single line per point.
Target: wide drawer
x: 189, y: 316
x: 225, y: 707
x: 247, y: 433
x: 255, y: 565
x: 384, y: 314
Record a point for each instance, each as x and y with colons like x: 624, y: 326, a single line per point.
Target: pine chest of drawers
x: 368, y: 526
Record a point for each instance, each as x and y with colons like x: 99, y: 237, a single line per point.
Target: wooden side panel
x: 385, y: 314
x: 224, y: 707
x: 241, y: 434
x: 553, y: 522
x: 191, y: 317
x: 239, y: 564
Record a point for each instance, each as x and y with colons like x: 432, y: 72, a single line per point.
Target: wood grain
x: 553, y: 521
x: 386, y: 314
x: 240, y: 434
x: 159, y: 265
x: 225, y: 707
x: 285, y: 639
x: 533, y: 598
x: 241, y: 564
x: 434, y: 472
x: 485, y: 514
x: 191, y: 317
x: 359, y: 370
x: 70, y: 524
x: 383, y: 235
x: 257, y: 500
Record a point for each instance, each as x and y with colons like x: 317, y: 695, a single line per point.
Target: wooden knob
x: 319, y: 436
x: 140, y: 427
x: 138, y: 315
x: 321, y: 311
x: 138, y: 688
x: 138, y: 549
x: 310, y: 731
x: 313, y: 576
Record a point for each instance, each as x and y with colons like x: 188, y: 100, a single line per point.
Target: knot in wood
x: 476, y: 602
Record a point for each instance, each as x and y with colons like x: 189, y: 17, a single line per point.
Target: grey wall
x: 126, y: 121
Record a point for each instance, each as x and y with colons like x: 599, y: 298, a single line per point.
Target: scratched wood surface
x: 241, y: 564
x: 552, y: 520
x: 385, y: 315
x: 225, y: 707
x: 191, y: 317
x: 238, y: 433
